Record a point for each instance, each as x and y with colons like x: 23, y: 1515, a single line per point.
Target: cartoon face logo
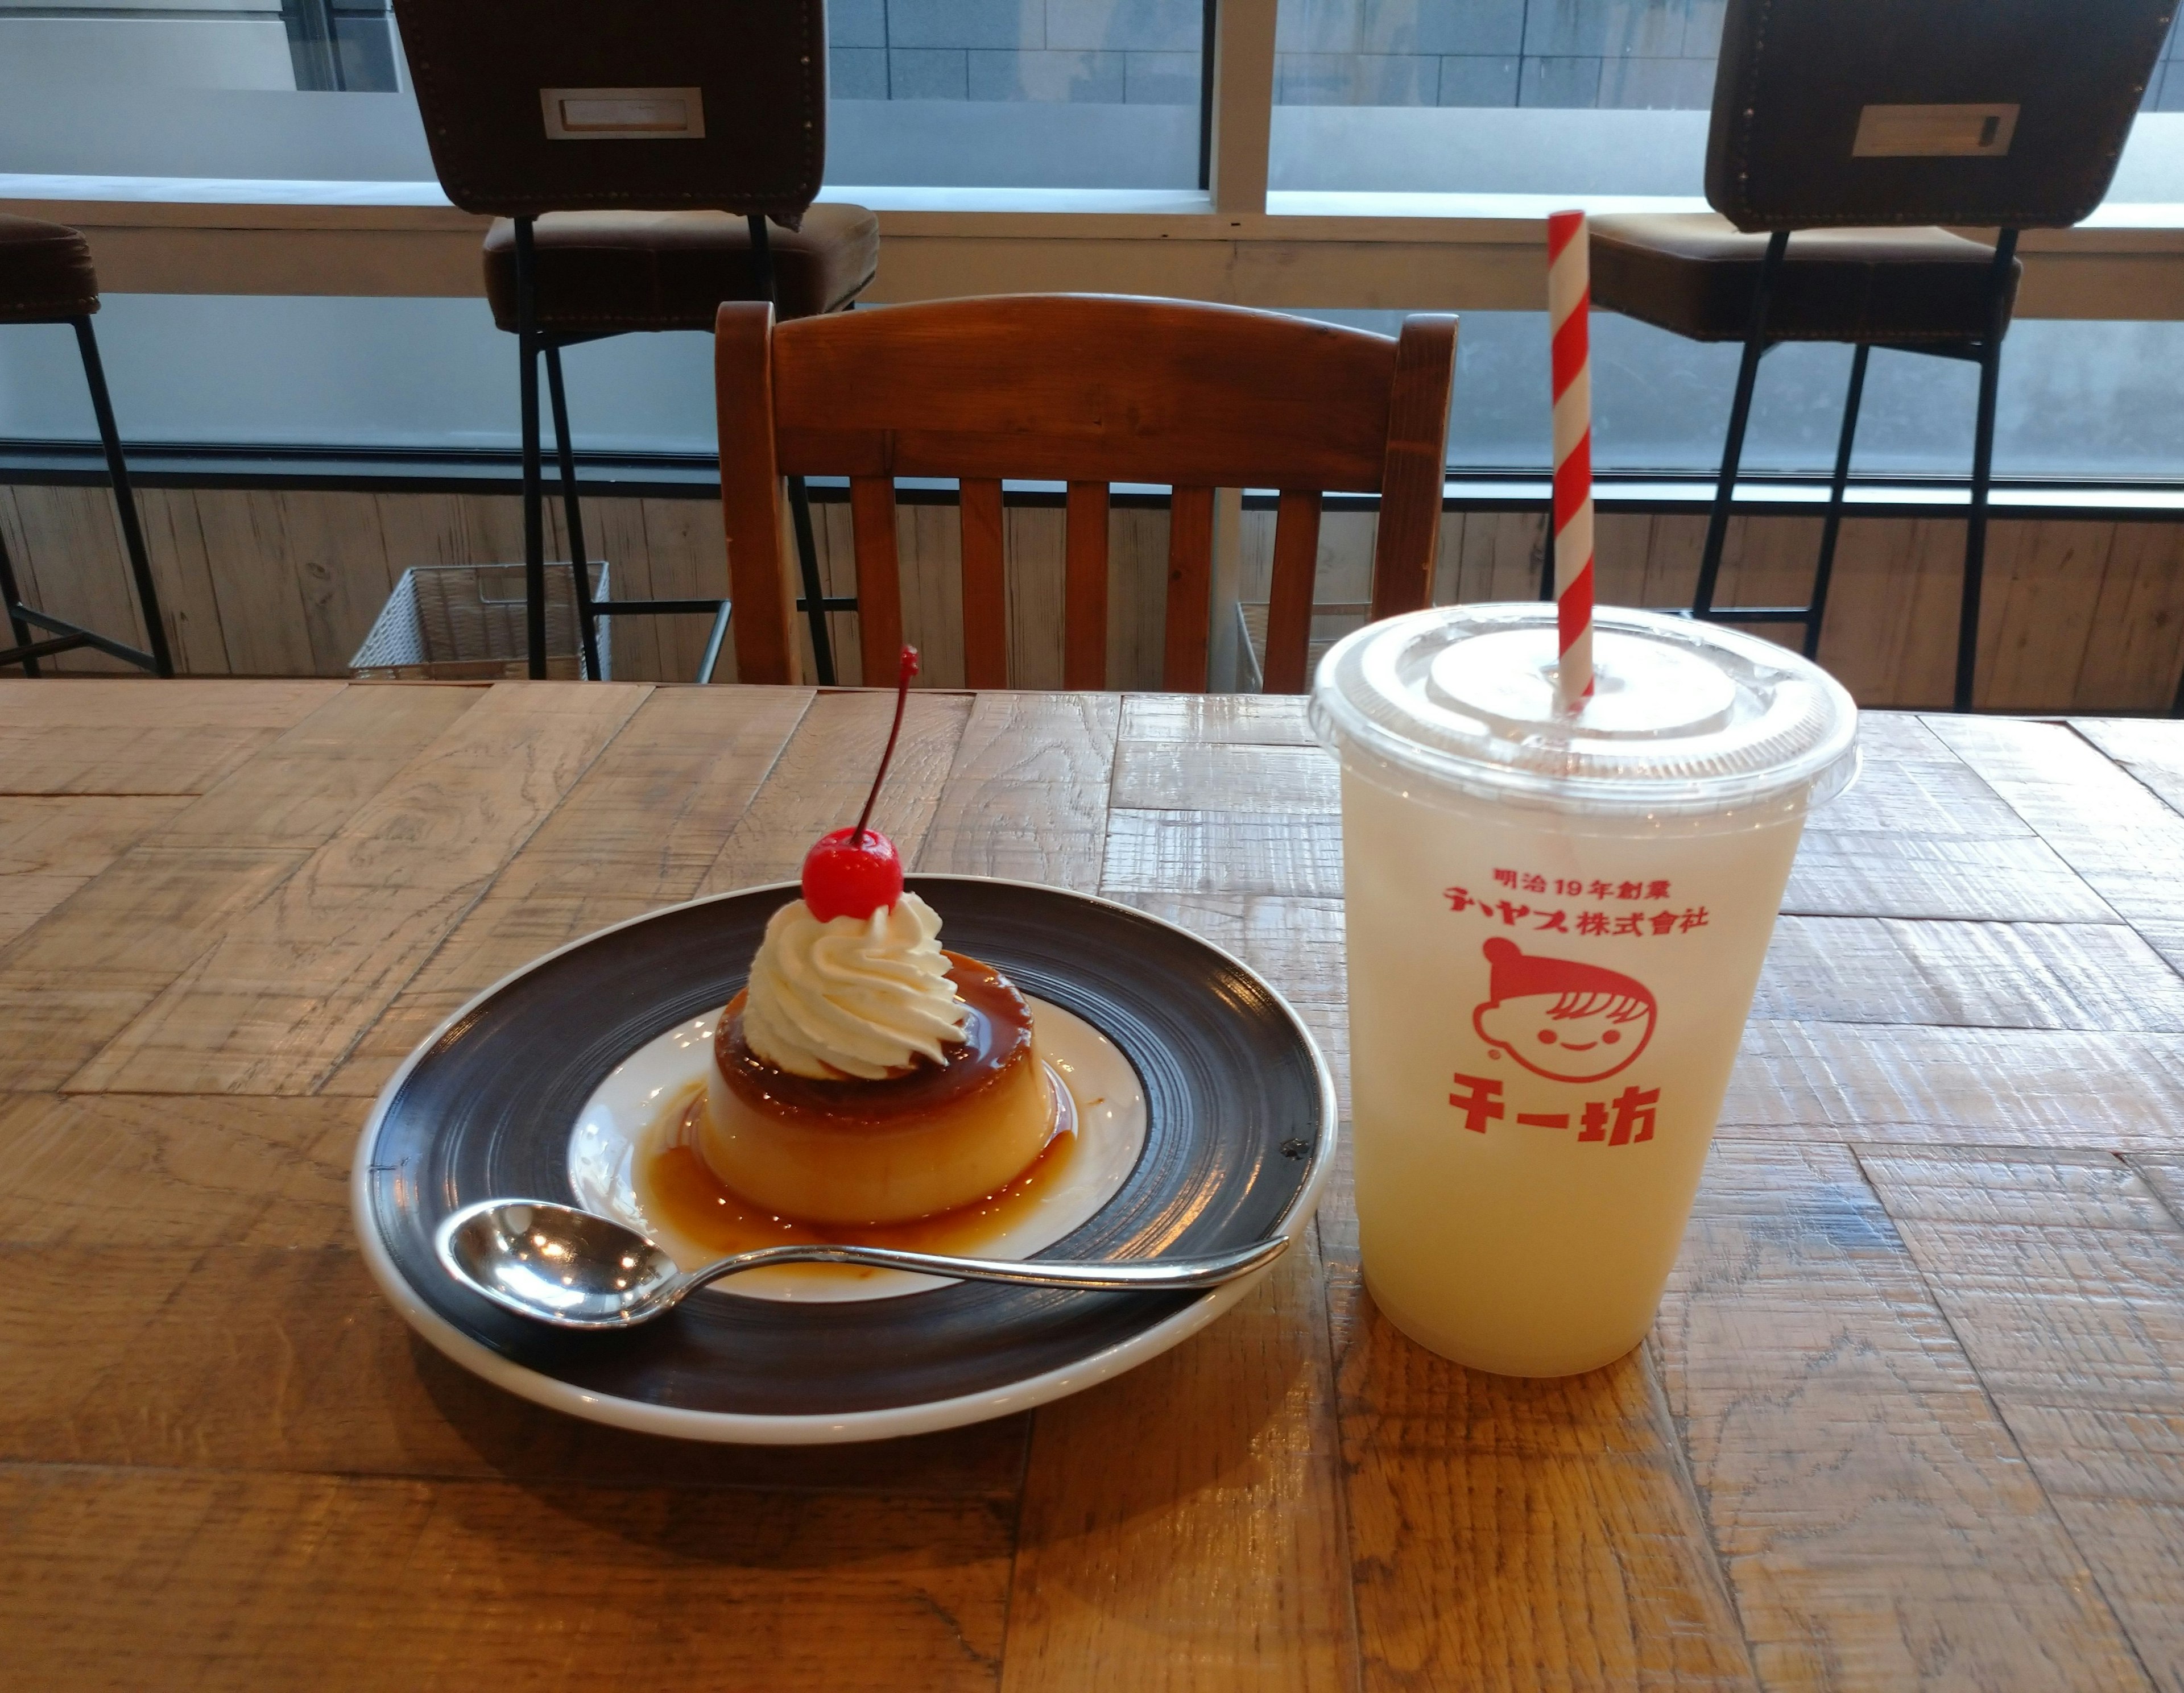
x: 1561, y: 1019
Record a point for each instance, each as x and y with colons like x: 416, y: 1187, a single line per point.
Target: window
x: 974, y: 93
x: 1544, y: 96
x: 1016, y: 93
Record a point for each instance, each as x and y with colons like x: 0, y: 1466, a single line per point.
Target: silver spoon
x: 577, y: 1270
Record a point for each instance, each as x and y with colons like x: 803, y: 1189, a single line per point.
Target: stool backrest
x: 535, y: 106
x: 1083, y: 389
x: 2006, y: 114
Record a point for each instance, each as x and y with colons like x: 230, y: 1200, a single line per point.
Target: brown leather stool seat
x: 606, y: 272
x: 1695, y: 275
x: 46, y: 275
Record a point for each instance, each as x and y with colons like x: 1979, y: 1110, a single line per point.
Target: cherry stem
x: 902, y: 700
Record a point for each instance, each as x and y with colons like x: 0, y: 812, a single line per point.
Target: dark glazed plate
x: 1240, y: 1136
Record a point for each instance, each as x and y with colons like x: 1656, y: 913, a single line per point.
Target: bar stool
x: 642, y: 166
x: 46, y: 276
x: 1859, y: 121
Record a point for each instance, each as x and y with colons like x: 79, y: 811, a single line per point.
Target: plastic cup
x: 1555, y: 926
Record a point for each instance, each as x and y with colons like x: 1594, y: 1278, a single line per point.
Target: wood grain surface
x: 1912, y: 1413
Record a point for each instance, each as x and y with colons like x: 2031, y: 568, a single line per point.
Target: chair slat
x: 985, y: 586
x: 1085, y: 597
x: 759, y: 581
x: 1289, y: 609
x: 1408, y: 539
x: 879, y: 583
x: 1190, y: 588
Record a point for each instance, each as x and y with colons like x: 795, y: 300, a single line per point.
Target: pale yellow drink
x: 1555, y: 930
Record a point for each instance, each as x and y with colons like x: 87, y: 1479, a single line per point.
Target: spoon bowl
x: 576, y: 1269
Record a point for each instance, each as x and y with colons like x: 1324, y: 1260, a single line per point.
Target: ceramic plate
x: 1231, y: 1128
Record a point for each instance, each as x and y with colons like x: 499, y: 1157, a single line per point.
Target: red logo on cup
x: 1562, y: 1019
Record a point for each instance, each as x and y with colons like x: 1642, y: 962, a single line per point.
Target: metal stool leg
x: 580, y: 557
x: 1548, y: 550
x: 124, y: 500
x: 1740, y: 415
x: 12, y: 597
x: 815, y: 591
x: 1990, y: 364
x: 1816, y: 613
x: 534, y: 527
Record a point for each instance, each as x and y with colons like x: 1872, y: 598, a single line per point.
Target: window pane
x: 1015, y: 93
x: 1544, y: 96
x: 2078, y: 400
x: 968, y: 93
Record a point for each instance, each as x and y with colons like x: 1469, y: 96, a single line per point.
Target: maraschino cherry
x: 855, y: 871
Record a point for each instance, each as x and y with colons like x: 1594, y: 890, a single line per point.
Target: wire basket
x: 465, y: 623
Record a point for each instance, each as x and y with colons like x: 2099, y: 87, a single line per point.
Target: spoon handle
x: 1127, y: 1274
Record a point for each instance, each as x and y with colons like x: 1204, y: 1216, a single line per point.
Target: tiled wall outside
x: 1497, y: 53
x: 1108, y: 52
x: 1649, y: 53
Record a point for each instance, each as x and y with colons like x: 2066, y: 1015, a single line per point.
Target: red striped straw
x: 1570, y: 302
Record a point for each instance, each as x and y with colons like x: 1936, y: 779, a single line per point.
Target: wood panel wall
x: 2080, y: 616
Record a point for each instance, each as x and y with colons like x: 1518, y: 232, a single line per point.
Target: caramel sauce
x: 677, y: 1188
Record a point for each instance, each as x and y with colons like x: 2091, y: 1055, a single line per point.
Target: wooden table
x: 1912, y: 1413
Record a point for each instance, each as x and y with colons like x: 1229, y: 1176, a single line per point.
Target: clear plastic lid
x: 1685, y: 716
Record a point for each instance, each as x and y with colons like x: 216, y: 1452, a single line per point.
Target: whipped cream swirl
x: 863, y: 997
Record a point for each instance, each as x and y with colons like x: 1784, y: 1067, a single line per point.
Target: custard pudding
x: 935, y: 1137
x: 865, y: 1076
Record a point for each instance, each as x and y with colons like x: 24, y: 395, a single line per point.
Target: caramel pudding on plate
x: 930, y: 1136
x: 865, y: 1077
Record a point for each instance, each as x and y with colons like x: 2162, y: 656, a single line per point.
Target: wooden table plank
x: 1939, y: 797
x: 2113, y: 831
x: 133, y: 1579
x: 1182, y: 1526
x: 1994, y: 1087
x: 51, y: 846
x: 1027, y: 795
x: 2062, y: 1276
x: 303, y: 786
x: 1869, y: 873
x: 290, y: 986
x: 1879, y: 1526
x: 639, y: 831
x: 52, y: 703
x: 1216, y: 851
x: 1295, y: 942
x: 821, y: 779
x: 153, y: 1351
x: 95, y: 1170
x: 73, y: 980
x: 68, y: 985
x: 1877, y: 970
x: 66, y: 735
x: 1176, y: 776
x: 1511, y: 1534
x: 2151, y: 748
x: 1211, y: 719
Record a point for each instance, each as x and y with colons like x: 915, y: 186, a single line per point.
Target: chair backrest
x: 2006, y: 114
x: 572, y: 105
x: 1086, y: 390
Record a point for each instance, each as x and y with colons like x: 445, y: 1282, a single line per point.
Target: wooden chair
x: 1085, y: 390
